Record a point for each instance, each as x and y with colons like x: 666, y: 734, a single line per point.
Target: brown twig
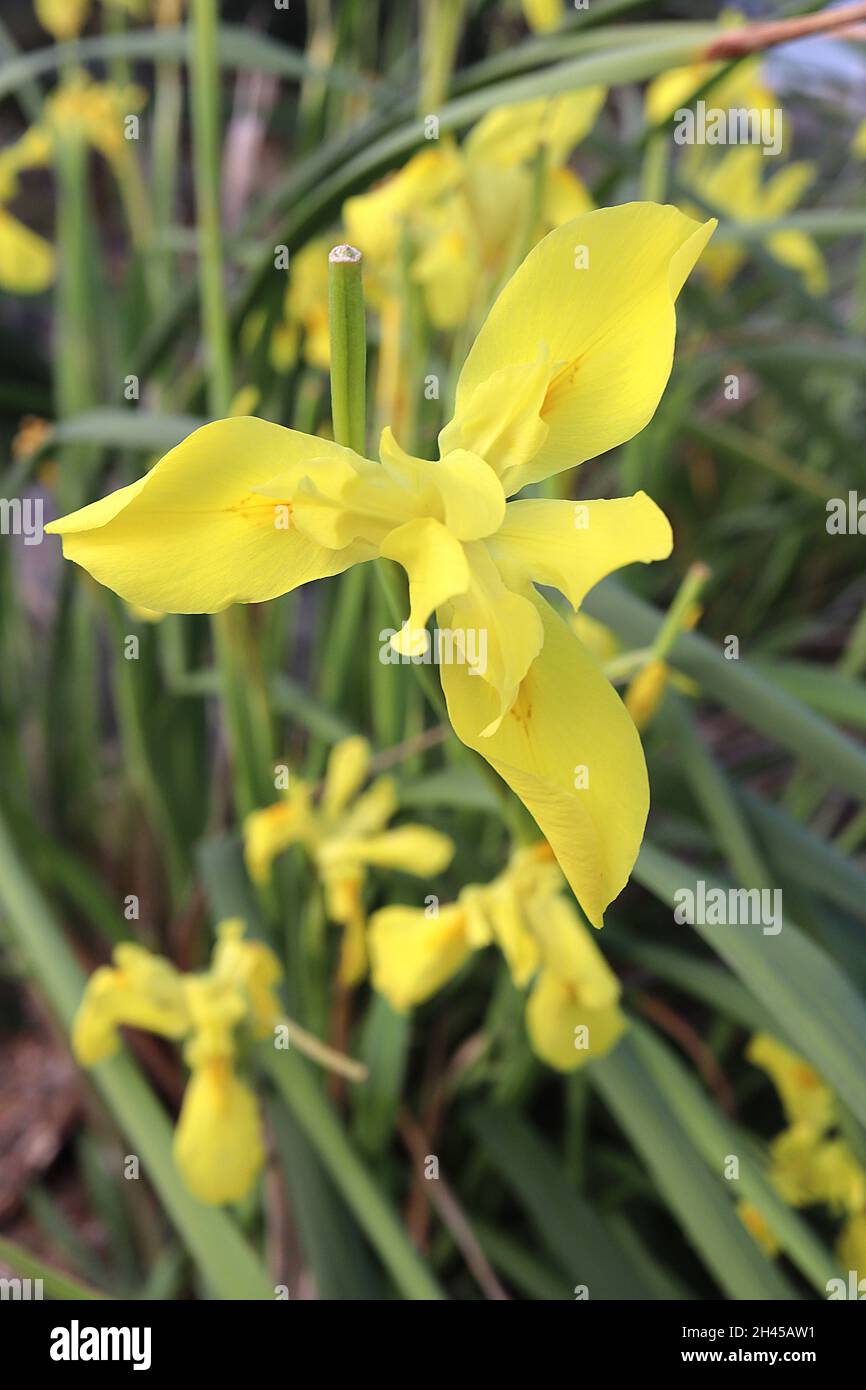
x: 738, y: 43
x: 440, y: 1195
x: 676, y: 1027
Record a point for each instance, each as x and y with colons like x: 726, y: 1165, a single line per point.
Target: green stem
x: 205, y: 128
x: 348, y: 347
x: 302, y: 1095
x: 56, y: 1284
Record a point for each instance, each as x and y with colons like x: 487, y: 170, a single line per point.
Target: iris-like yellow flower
x: 809, y: 1163
x: 95, y: 113
x: 572, y: 1012
x: 26, y: 259
x: 463, y: 208
x: 735, y: 184
x: 218, y: 1146
x: 571, y: 361
x: 345, y: 833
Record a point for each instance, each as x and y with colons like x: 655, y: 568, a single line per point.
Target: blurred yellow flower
x: 244, y: 510
x: 63, y: 19
x: 27, y: 261
x: 94, y: 112
x: 139, y: 991
x: 345, y: 833
x: 572, y: 1011
x: 218, y: 1144
x: 805, y: 1098
x: 735, y: 185
x: 543, y: 15
x: 463, y: 209
x: 758, y: 1227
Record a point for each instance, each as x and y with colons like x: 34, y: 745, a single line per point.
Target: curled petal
x: 571, y: 753
x: 597, y: 294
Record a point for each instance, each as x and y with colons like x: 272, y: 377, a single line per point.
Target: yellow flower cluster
x: 809, y: 1163
x: 344, y: 831
x: 456, y: 214
x: 218, y: 1145
x: 736, y: 181
x: 572, y: 1012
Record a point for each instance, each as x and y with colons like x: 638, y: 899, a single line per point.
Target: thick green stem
x: 348, y: 347
x: 205, y: 127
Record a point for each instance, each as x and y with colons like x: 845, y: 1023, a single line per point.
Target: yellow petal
x: 437, y: 567
x: 565, y: 197
x: 415, y: 849
x: 510, y: 135
x: 218, y: 1144
x: 505, y: 913
x: 64, y: 19
x: 500, y: 632
x: 756, y: 1224
x: 194, y: 535
x: 270, y: 831
x: 413, y: 955
x: 543, y: 15
x: 803, y: 1094
x: 139, y: 991
x: 254, y: 966
x: 565, y: 1032
x: 645, y: 692
x: 570, y: 546
x: 348, y: 765
x: 571, y: 753
x: 371, y: 812
x: 597, y: 297
x: 26, y: 259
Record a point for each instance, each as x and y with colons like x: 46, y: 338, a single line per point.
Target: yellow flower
x: 463, y: 209
x: 218, y: 1141
x: 94, y: 112
x: 543, y: 15
x: 756, y: 1224
x: 572, y: 1012
x: 27, y: 261
x: 807, y: 1168
x: 805, y: 1099
x: 63, y: 19
x: 345, y: 834
x: 413, y: 955
x: 218, y: 1145
x: 253, y: 966
x: 735, y: 185
x: 139, y: 991
x: 858, y: 144
x: 571, y: 361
